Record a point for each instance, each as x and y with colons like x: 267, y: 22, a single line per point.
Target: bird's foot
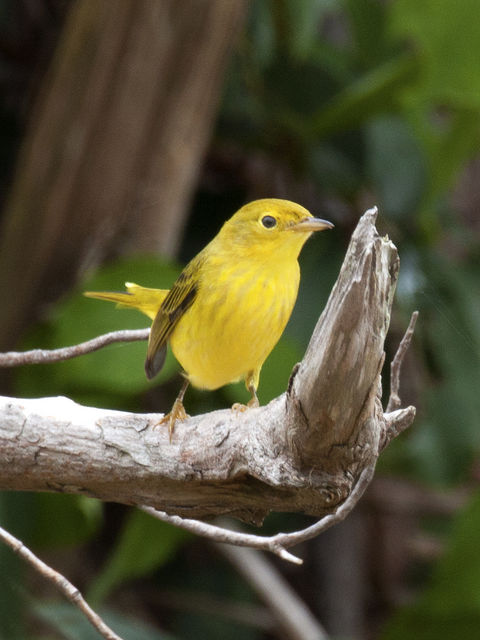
x: 177, y: 412
x: 238, y: 407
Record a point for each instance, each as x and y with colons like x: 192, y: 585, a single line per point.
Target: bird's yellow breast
x: 235, y: 321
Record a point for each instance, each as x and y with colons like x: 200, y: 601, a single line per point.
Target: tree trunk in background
x: 114, y: 144
x: 342, y: 567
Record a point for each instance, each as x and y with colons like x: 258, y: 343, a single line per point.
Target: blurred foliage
x: 110, y: 377
x: 351, y: 103
x: 449, y: 608
x: 77, y: 519
x: 72, y: 624
x: 132, y: 558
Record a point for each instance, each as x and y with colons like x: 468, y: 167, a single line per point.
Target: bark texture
x: 302, y: 452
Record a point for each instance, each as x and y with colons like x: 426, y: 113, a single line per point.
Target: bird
x: 230, y: 304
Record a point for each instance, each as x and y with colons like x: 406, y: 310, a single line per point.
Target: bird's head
x: 272, y: 225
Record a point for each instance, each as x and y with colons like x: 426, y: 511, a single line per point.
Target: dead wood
x: 303, y: 452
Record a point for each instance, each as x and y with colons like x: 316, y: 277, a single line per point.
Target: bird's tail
x: 146, y: 300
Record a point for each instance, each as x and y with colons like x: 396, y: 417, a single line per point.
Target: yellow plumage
x: 146, y: 300
x: 229, y: 306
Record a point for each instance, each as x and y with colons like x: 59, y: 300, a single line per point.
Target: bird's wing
x: 178, y: 300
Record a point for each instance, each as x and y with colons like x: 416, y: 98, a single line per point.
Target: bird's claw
x: 238, y: 407
x: 177, y: 413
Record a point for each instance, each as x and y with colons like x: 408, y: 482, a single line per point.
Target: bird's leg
x: 177, y: 412
x: 253, y: 402
x: 251, y: 382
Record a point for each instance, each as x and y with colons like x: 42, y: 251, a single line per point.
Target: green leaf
x: 367, y: 23
x: 444, y: 102
x: 144, y: 545
x: 73, y: 625
x: 373, y: 93
x: 77, y: 518
x: 446, y: 36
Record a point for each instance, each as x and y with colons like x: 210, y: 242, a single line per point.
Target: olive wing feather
x: 180, y: 298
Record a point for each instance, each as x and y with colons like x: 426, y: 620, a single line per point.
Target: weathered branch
x: 394, y: 401
x: 305, y: 451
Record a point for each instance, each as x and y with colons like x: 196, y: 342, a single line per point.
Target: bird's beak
x: 312, y: 224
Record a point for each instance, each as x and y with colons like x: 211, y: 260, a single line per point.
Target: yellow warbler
x: 229, y: 306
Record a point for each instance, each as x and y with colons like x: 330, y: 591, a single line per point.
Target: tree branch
x: 67, y: 588
x: 394, y: 401
x: 310, y: 450
x: 279, y: 543
x: 41, y: 356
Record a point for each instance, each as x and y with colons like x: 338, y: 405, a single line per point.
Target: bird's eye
x: 269, y: 222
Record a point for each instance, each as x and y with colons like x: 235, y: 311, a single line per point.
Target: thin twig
x: 219, y: 534
x: 40, y: 356
x: 394, y: 401
x: 67, y: 588
x: 395, y: 423
x: 279, y: 543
